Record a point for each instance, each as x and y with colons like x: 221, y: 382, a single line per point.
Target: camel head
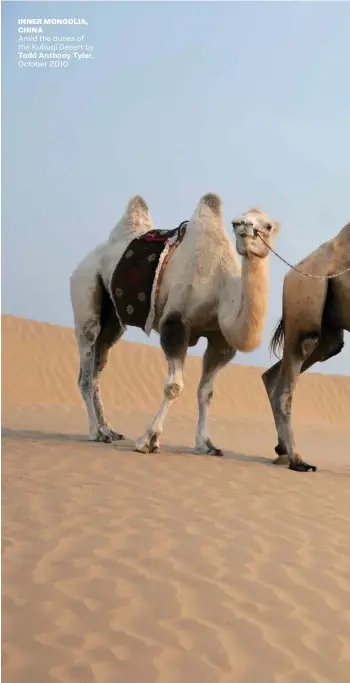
x: 247, y: 228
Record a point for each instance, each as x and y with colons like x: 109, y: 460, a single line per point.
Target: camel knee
x: 88, y: 331
x: 307, y: 343
x: 205, y: 394
x: 173, y: 390
x: 282, y: 404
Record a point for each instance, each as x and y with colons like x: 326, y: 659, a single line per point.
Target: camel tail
x: 276, y: 343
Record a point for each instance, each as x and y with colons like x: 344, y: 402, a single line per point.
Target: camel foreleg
x: 217, y: 355
x: 174, y: 339
x: 281, y: 397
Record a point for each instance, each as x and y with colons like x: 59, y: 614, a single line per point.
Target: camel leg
x: 281, y: 402
x: 102, y: 351
x: 93, y: 359
x: 86, y: 340
x: 174, y: 339
x: 330, y: 344
x: 218, y: 353
x: 97, y: 328
x: 269, y: 378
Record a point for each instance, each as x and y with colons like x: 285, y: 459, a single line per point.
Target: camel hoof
x: 153, y: 446
x: 105, y: 438
x: 93, y: 438
x: 209, y: 450
x: 116, y: 436
x: 301, y: 466
x: 216, y: 452
x: 100, y: 437
x: 107, y: 434
x: 282, y: 460
x: 142, y: 445
x: 141, y: 449
x: 212, y: 450
x: 148, y: 444
x: 109, y: 431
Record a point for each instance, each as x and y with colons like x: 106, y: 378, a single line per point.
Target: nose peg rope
x: 298, y: 270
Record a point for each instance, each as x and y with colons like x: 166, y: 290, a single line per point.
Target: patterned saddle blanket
x: 137, y: 277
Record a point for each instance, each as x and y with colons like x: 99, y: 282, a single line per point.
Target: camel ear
x: 254, y: 211
x: 276, y: 227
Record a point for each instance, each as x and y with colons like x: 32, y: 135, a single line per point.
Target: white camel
x: 204, y: 292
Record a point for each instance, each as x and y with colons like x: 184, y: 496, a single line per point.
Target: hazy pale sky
x: 247, y: 99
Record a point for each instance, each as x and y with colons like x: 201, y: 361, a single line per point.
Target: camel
x: 204, y: 291
x: 316, y: 311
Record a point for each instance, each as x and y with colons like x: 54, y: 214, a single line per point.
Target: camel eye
x: 269, y: 227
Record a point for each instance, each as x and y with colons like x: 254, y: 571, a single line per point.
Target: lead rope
x: 316, y: 277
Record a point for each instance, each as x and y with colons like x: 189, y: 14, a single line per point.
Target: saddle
x: 137, y: 277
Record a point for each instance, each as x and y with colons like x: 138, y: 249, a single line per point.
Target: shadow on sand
x: 124, y: 446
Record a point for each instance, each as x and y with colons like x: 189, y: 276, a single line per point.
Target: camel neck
x: 244, y: 323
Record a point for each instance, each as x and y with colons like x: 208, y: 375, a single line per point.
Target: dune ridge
x: 46, y: 359
x: 172, y: 568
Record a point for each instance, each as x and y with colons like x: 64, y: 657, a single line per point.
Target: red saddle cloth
x: 134, y: 276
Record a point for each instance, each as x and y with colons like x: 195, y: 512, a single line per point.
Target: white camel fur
x: 205, y: 292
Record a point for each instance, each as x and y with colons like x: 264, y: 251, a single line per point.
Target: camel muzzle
x: 244, y: 229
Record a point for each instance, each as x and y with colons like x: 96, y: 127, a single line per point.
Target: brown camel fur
x: 315, y: 314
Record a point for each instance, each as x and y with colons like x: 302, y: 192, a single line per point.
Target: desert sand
x: 120, y: 567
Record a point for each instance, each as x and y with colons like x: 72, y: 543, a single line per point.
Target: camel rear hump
x: 135, y: 220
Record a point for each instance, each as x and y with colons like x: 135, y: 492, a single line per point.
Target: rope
x: 316, y: 277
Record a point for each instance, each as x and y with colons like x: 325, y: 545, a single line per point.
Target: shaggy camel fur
x: 315, y: 314
x: 204, y: 292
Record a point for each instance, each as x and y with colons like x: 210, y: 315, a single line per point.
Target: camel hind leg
x: 97, y: 328
x: 280, y: 391
x: 111, y: 331
x: 86, y: 338
x: 300, y: 329
x: 280, y: 381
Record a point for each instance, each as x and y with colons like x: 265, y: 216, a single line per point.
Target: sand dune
x: 170, y: 568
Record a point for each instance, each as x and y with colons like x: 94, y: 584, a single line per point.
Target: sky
x: 246, y: 99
